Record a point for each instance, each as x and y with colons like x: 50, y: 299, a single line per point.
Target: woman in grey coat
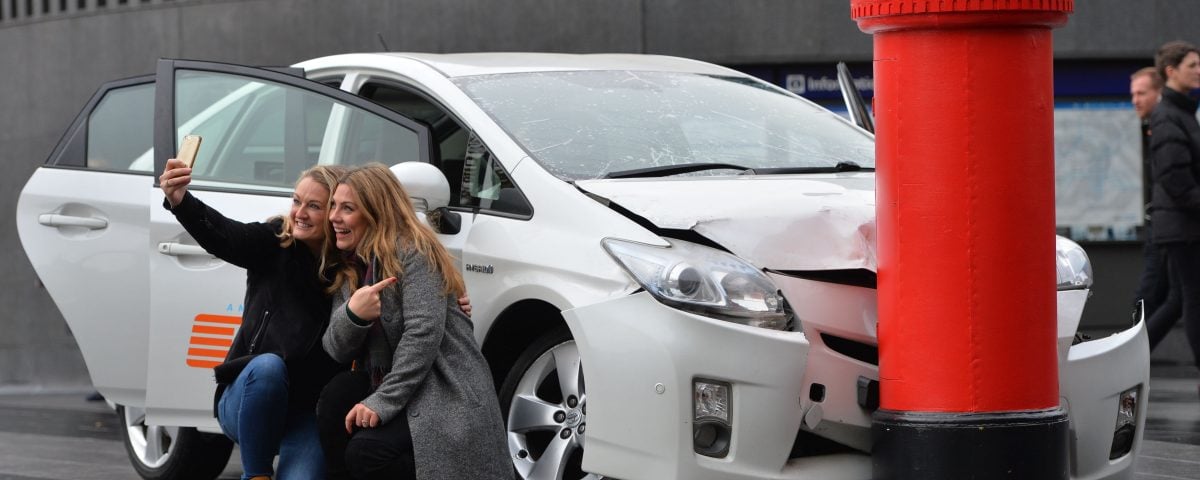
x: 420, y: 402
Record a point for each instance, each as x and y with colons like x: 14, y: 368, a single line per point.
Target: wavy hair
x: 392, y: 223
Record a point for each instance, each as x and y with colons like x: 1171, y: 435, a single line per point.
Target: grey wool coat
x: 438, y: 376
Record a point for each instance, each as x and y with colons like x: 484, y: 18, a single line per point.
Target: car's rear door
x: 82, y: 221
x: 260, y: 130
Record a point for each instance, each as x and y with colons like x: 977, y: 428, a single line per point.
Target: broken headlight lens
x: 712, y: 423
x: 1074, y: 268
x: 1125, y: 431
x: 703, y: 280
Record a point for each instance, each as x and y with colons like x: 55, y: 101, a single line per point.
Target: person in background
x: 1175, y: 212
x: 420, y: 402
x: 1145, y: 87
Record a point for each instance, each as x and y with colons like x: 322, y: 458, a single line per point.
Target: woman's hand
x: 174, y: 180
x: 464, y: 304
x: 362, y: 417
x: 365, y: 301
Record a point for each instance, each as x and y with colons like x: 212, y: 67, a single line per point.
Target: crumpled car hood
x: 781, y: 222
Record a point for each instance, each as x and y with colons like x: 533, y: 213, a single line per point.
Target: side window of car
x: 120, y: 129
x: 476, y: 180
x: 114, y: 129
x: 486, y: 186
x: 258, y: 133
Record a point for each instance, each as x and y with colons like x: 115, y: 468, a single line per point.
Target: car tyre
x: 171, y: 453
x: 545, y: 409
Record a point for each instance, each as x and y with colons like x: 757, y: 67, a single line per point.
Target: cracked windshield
x: 585, y: 125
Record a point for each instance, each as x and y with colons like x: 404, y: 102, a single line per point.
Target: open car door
x: 260, y: 130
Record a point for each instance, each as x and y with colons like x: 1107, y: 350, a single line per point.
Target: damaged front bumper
x: 640, y: 403
x: 787, y: 388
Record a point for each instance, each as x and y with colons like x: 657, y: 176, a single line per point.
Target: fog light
x: 1126, y: 428
x: 711, y: 400
x: 711, y: 419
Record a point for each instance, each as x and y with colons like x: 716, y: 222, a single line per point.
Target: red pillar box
x: 965, y: 192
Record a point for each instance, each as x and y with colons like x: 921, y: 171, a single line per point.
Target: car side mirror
x: 427, y: 187
x: 444, y: 221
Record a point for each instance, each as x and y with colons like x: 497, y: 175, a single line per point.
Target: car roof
x: 468, y: 64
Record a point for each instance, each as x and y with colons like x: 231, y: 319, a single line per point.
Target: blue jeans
x: 254, y: 413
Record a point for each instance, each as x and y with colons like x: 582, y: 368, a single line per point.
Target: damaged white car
x: 671, y: 263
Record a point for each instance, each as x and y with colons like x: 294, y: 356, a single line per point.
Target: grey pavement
x: 60, y: 435
x: 1171, y: 443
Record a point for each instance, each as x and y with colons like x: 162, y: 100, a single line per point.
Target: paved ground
x: 1171, y: 448
x: 62, y: 436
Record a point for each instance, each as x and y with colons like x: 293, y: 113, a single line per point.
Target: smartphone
x: 188, y: 149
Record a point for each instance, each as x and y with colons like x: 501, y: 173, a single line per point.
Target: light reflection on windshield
x: 584, y: 124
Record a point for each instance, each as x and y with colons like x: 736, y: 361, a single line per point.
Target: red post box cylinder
x: 965, y: 192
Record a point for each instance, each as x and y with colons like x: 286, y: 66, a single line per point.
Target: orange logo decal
x: 211, y: 337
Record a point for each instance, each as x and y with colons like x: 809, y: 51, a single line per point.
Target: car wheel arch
x: 514, y: 330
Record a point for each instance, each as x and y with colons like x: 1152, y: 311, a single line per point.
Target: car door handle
x: 180, y: 250
x: 57, y: 220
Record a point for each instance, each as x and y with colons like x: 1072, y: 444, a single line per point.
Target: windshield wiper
x: 666, y: 170
x: 840, y: 167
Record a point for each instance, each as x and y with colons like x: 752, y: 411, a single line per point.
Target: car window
x: 476, y: 181
x: 485, y: 185
x: 113, y: 130
x: 449, y: 135
x: 258, y: 133
x: 120, y: 127
x: 403, y: 101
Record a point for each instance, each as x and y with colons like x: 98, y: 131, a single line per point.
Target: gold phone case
x: 187, y: 150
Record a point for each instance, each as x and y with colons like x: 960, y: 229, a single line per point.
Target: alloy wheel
x: 547, y: 417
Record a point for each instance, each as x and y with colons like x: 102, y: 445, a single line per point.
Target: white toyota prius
x: 671, y: 263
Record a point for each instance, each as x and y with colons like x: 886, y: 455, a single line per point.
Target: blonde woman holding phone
x: 267, y: 387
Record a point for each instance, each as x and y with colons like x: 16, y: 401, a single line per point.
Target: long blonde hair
x: 327, y: 176
x: 392, y: 222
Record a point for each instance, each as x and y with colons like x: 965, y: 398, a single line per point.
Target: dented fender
x: 829, y: 222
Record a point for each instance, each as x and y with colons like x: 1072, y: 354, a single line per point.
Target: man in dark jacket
x: 1175, y: 164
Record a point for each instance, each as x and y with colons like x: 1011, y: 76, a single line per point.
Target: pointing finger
x: 382, y: 284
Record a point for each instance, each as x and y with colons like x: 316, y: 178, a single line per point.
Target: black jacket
x: 1175, y: 162
x: 1147, y: 178
x: 285, y: 311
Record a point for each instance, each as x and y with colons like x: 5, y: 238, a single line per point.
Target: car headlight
x: 1074, y: 268
x: 703, y: 280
